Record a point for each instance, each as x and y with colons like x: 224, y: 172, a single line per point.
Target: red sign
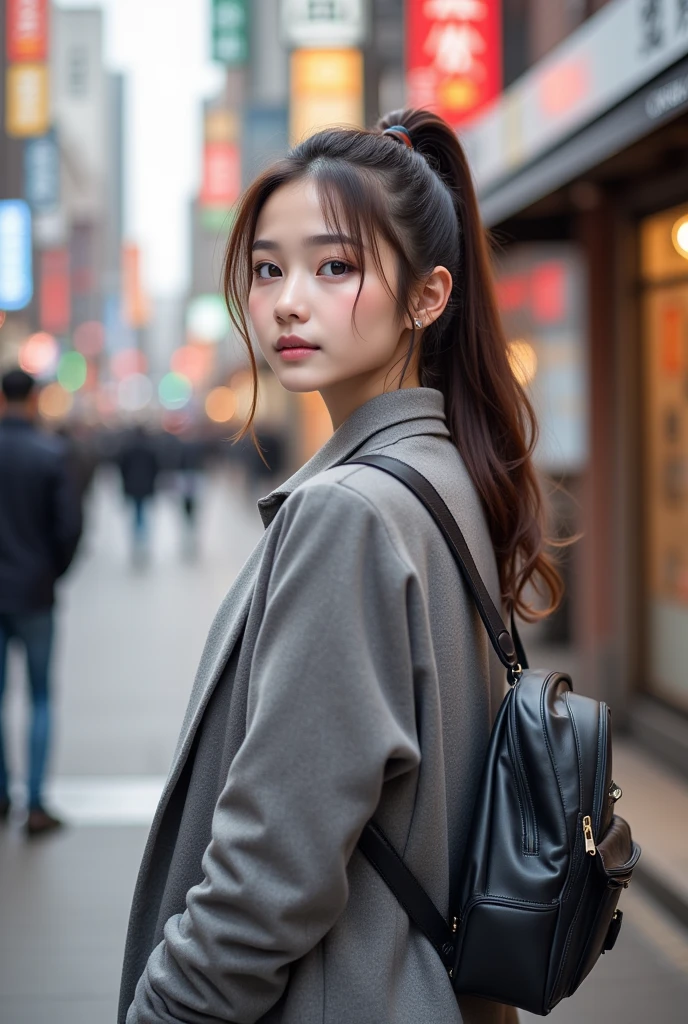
x: 453, y: 56
x: 221, y: 175
x: 27, y: 30
x: 54, y: 291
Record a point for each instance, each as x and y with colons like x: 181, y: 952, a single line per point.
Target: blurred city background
x: 129, y: 128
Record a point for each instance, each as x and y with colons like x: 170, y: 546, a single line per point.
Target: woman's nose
x: 291, y: 303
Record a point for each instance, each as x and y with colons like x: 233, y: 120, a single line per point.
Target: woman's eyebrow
x: 312, y: 240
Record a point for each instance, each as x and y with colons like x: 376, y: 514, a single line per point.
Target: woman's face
x: 301, y: 304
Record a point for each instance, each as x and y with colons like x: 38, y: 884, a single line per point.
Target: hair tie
x: 398, y: 131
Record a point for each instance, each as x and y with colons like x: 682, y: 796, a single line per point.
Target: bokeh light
x: 523, y: 361
x: 54, y: 403
x: 89, y: 338
x: 174, y: 391
x: 207, y: 319
x: 134, y: 393
x: 193, y: 361
x: 175, y: 422
x: 72, y: 371
x: 127, y: 362
x: 39, y: 354
x: 242, y: 386
x: 220, y: 404
x: 679, y: 236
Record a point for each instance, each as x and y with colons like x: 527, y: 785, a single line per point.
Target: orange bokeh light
x: 220, y: 405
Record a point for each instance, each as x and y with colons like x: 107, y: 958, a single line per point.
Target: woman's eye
x: 267, y: 270
x: 335, y: 268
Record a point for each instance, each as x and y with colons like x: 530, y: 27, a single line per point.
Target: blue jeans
x: 35, y: 633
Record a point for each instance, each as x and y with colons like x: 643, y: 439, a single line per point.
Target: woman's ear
x: 432, y: 297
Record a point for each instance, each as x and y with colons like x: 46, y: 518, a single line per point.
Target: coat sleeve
x: 331, y: 718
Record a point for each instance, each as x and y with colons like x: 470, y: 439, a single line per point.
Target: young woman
x: 347, y: 675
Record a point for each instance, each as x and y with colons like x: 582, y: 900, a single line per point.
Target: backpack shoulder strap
x: 373, y: 843
x: 498, y: 633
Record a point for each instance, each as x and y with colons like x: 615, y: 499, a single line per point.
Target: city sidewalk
x: 655, y: 802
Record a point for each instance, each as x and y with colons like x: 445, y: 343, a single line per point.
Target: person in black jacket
x: 40, y: 525
x: 139, y: 465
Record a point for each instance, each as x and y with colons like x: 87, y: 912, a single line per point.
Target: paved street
x: 130, y: 640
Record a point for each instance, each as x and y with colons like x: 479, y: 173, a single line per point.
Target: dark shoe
x: 5, y: 807
x: 39, y: 822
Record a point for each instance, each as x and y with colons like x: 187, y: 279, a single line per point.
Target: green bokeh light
x: 174, y: 391
x: 71, y: 371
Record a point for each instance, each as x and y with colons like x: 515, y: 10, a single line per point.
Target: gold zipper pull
x: 455, y: 924
x: 587, y: 833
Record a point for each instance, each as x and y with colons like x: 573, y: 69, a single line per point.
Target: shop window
x: 664, y: 271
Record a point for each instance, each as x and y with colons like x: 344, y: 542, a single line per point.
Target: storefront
x: 664, y: 319
x: 587, y: 155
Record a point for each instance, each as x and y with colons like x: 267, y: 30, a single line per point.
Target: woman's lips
x: 291, y: 354
x: 293, y: 347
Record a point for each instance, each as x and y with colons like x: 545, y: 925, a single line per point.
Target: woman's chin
x: 301, y: 383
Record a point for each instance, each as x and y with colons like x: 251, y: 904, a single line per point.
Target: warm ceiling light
x: 679, y: 236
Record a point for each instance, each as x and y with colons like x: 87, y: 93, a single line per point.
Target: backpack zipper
x: 600, y: 795
x: 530, y: 844
x: 588, y: 836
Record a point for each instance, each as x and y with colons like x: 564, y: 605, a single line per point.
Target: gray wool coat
x: 346, y: 675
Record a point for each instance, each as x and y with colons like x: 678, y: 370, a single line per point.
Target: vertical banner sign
x: 221, y: 182
x: 27, y: 31
x: 453, y: 56
x: 42, y: 173
x: 221, y: 175
x: 16, y: 276
x: 54, y: 293
x: 27, y: 103
x: 230, y: 31
x: 326, y: 89
x: 134, y: 308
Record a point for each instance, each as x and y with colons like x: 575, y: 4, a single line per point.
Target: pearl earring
x: 418, y: 322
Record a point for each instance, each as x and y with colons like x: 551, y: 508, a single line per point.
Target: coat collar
x: 380, y: 421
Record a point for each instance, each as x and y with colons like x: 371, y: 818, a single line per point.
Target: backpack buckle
x: 513, y: 674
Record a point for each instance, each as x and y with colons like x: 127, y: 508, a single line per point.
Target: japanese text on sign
x: 230, y: 31
x: 27, y: 30
x: 453, y: 56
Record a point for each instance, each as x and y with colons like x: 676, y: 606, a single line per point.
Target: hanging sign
x: 42, y: 173
x: 453, y: 56
x: 54, y: 293
x: 324, y: 23
x: 16, y: 277
x: 326, y: 89
x: 230, y: 31
x: 26, y: 30
x: 28, y: 110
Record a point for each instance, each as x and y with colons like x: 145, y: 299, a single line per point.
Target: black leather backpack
x: 547, y: 857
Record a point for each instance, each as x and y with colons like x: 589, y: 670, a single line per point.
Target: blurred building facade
x: 582, y: 171
x: 69, y: 173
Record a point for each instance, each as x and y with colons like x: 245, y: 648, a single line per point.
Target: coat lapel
x: 381, y: 421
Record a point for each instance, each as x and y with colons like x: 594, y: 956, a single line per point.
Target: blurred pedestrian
x: 139, y: 465
x: 40, y: 525
x: 347, y: 676
x: 190, y: 470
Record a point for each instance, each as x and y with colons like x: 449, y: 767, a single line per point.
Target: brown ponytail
x: 428, y: 211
